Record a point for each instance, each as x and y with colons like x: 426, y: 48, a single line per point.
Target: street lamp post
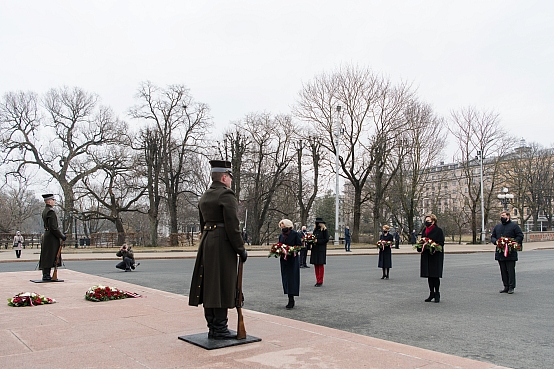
x: 480, y: 154
x: 337, y: 142
x: 505, y: 198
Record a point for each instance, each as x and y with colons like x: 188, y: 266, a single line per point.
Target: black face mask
x: 504, y: 220
x: 285, y: 230
x: 428, y: 224
x: 385, y: 231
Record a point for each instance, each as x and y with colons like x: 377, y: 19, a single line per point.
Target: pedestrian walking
x: 347, y: 239
x: 397, y: 239
x: 432, y: 260
x: 318, y: 256
x: 18, y: 244
x: 214, y: 279
x: 506, y: 251
x: 51, y: 240
x: 385, y: 252
x: 306, y: 246
x: 413, y: 237
x: 290, y: 264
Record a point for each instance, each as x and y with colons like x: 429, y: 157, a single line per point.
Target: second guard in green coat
x: 52, y: 238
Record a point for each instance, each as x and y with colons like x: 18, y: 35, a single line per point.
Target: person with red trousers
x: 318, y: 256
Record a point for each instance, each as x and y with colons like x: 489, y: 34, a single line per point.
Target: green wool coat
x: 214, y: 279
x: 50, y: 240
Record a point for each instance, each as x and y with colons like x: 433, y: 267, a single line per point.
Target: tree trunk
x: 120, y: 231
x: 357, y: 215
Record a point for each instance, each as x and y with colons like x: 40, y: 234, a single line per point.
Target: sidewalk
x: 142, y: 333
x: 90, y: 254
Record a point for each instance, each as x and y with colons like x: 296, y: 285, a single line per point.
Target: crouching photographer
x: 128, y: 262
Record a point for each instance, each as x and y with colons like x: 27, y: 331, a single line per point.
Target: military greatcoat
x: 51, y: 239
x: 214, y: 279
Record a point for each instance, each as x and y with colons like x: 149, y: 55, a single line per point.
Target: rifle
x: 58, y: 257
x: 239, y: 302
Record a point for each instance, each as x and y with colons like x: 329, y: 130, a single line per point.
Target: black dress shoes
x: 510, y: 291
x: 437, y: 297
x: 431, y: 297
x: 504, y: 290
x: 318, y: 285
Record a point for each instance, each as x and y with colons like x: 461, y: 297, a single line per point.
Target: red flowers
x: 29, y: 299
x: 279, y: 249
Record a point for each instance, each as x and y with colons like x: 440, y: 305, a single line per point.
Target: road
x: 472, y: 320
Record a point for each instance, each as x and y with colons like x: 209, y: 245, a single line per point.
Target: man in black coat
x: 214, y: 279
x: 507, y: 263
x: 305, y: 248
x: 51, y: 240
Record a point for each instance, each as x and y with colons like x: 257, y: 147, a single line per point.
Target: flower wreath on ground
x: 429, y: 243
x: 507, y: 245
x: 279, y: 249
x: 381, y: 244
x: 29, y: 299
x: 104, y: 293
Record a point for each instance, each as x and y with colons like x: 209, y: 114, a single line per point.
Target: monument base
x: 202, y: 340
x: 41, y: 281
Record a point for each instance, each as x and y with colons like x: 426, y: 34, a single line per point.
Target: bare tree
x: 269, y: 155
x: 419, y: 146
x: 181, y: 124
x: 116, y: 188
x: 531, y: 178
x: 479, y: 133
x: 307, y: 184
x: 371, y: 110
x: 62, y: 138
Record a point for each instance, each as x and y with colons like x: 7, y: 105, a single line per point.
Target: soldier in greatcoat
x: 51, y: 238
x: 214, y: 279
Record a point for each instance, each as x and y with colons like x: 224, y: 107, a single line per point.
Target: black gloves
x: 64, y: 237
x: 244, y: 256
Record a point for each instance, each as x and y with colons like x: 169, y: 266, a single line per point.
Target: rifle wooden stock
x: 241, y: 330
x: 58, y: 256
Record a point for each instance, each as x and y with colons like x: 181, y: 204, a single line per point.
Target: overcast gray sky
x: 246, y: 56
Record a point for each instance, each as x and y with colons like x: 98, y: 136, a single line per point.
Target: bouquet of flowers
x: 309, y: 238
x: 429, y: 243
x: 104, y: 293
x: 507, y: 245
x: 381, y: 244
x: 278, y: 249
x: 29, y: 299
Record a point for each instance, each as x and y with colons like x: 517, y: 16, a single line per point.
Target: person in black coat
x: 51, y: 240
x: 318, y: 256
x: 507, y: 264
x: 432, y: 262
x: 290, y: 267
x: 347, y: 239
x: 305, y: 248
x: 385, y: 254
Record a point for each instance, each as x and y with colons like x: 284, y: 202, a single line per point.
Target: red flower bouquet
x: 279, y: 249
x: 29, y: 299
x: 104, y: 293
x: 507, y: 245
x: 309, y: 238
x: 381, y: 244
x: 425, y: 242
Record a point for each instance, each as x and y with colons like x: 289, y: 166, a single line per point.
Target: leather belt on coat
x: 212, y: 226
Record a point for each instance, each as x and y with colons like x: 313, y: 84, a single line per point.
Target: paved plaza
x: 469, y: 323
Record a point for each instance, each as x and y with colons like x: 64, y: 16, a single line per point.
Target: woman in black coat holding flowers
x: 318, y: 256
x: 290, y: 264
x: 385, y: 253
x: 431, y: 258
